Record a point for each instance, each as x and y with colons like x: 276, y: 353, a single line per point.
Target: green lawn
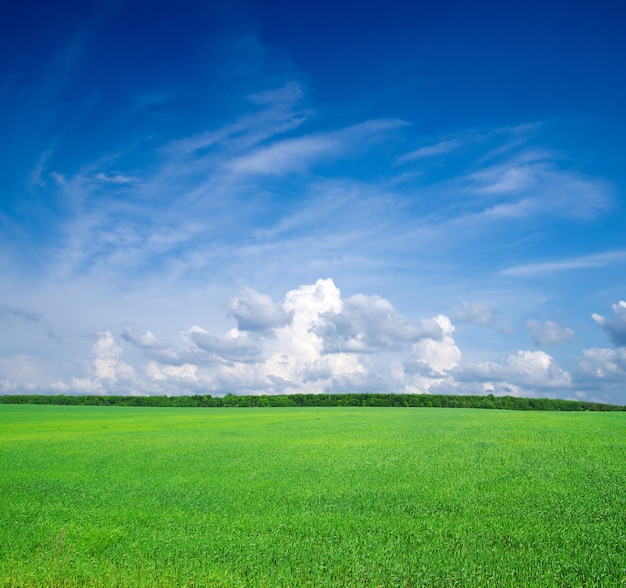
x: 111, y: 496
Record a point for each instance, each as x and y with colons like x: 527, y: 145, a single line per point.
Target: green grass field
x: 98, y: 496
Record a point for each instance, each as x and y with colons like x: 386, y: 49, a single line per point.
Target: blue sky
x: 278, y: 197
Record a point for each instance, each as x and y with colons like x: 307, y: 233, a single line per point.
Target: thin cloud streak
x: 606, y: 259
x: 440, y: 148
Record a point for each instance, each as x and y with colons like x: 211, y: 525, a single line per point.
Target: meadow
x: 132, y: 497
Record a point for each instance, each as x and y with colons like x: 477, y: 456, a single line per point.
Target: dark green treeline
x: 303, y: 400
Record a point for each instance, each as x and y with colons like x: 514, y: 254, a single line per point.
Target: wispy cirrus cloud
x: 546, y: 189
x: 197, y: 179
x: 275, y: 112
x: 440, y: 148
x: 299, y: 153
x: 166, y: 218
x: 605, y: 259
x: 114, y: 178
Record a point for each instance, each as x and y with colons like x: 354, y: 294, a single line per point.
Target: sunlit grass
x: 94, y: 496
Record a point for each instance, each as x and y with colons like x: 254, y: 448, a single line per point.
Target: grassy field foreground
x: 97, y: 496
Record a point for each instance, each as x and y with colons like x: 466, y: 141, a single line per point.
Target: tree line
x: 303, y: 400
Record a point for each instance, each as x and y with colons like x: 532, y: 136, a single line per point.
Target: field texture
x: 100, y: 496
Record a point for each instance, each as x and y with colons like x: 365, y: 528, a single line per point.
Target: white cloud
x: 431, y: 360
x: 297, y: 352
x: 84, y: 385
x: 549, y: 333
x: 145, y: 340
x: 13, y: 387
x: 316, y: 341
x: 107, y: 374
x: 615, y: 328
x: 22, y: 368
x: 257, y: 312
x: 439, y: 355
x: 185, y: 373
x: 604, y: 364
x: 234, y: 346
x: 282, y: 350
x: 311, y: 342
x: 530, y: 370
x: 434, y: 328
x: 366, y: 324
x: 108, y: 363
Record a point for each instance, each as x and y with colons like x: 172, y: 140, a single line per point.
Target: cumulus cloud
x: 13, y: 387
x: 604, y: 364
x: 548, y: 332
x: 530, y: 370
x: 313, y: 341
x: 277, y: 348
x: 234, y: 346
x: 22, y: 368
x: 614, y: 328
x: 257, y: 312
x: 145, y: 340
x: 185, y: 373
x: 473, y: 312
x: 155, y: 349
x: 107, y: 360
x: 107, y: 374
x: 431, y: 361
x: 366, y: 324
x: 317, y: 341
x: 297, y: 353
x: 439, y: 355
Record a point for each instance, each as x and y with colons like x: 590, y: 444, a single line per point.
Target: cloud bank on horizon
x: 201, y: 199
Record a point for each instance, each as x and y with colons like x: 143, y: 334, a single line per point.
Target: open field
x: 111, y: 496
